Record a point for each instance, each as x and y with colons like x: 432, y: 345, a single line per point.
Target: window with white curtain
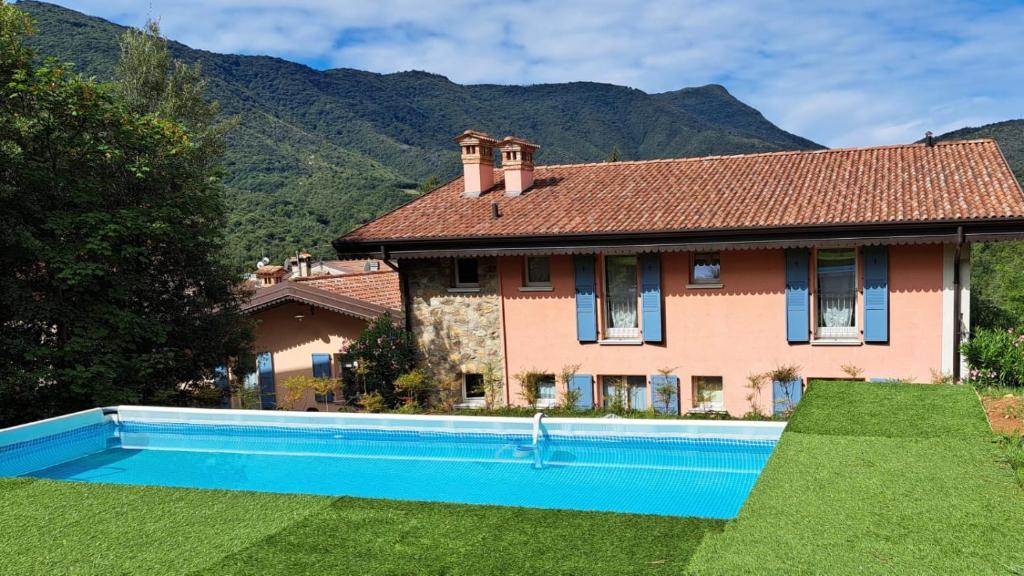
x: 836, y: 293
x: 620, y: 296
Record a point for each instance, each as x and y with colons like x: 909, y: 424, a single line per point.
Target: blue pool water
x: 706, y: 477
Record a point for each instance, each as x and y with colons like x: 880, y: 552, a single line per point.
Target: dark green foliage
x: 317, y: 153
x: 110, y: 235
x: 383, y: 352
x: 996, y: 358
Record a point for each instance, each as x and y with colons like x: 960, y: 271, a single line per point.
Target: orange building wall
x: 730, y: 332
x: 292, y: 343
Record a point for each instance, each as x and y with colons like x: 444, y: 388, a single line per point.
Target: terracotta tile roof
x: 301, y: 292
x: 270, y: 271
x: 378, y: 288
x: 951, y: 181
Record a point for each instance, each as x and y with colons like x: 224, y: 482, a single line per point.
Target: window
x: 705, y: 268
x: 467, y: 274
x: 621, y: 319
x: 548, y: 394
x: 708, y: 394
x: 538, y: 271
x: 836, y: 293
x: 631, y: 391
x: 473, y: 388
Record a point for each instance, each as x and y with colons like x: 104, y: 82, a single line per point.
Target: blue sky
x: 841, y: 73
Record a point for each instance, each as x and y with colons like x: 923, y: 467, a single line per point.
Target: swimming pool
x: 667, y: 467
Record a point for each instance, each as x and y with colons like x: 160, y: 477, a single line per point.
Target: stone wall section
x: 457, y: 331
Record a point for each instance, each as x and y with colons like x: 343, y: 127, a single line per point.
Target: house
x: 304, y: 321
x: 697, y: 272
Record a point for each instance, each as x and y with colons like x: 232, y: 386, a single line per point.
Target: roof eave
x: 884, y: 232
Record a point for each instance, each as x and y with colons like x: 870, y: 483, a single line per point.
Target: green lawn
x: 869, y: 479
x: 878, y: 479
x: 49, y: 527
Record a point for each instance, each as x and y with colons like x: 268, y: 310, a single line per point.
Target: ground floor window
x: 708, y: 393
x: 547, y: 392
x: 624, y: 392
x: 473, y: 391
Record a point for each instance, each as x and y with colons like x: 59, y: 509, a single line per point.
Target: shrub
x: 372, y: 402
x: 415, y: 386
x: 853, y: 371
x: 570, y: 397
x: 666, y: 391
x: 529, y: 382
x: 492, y: 384
x: 382, y: 352
x: 296, y: 387
x: 995, y: 358
x: 449, y: 393
x: 787, y: 376
x: 755, y: 385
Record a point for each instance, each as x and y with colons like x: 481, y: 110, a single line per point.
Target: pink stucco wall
x: 292, y: 343
x: 730, y: 332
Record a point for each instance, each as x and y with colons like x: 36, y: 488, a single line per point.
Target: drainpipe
x: 957, y: 328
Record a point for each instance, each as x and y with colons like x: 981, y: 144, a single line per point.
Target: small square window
x: 467, y: 273
x: 473, y: 387
x: 538, y: 271
x: 708, y: 393
x: 705, y: 268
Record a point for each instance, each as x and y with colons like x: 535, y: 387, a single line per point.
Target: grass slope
x: 318, y: 152
x: 878, y: 479
x: 49, y: 527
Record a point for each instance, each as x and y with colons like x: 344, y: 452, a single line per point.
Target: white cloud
x: 843, y: 74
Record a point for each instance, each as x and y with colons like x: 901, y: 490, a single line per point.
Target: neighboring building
x: 304, y: 322
x: 713, y: 268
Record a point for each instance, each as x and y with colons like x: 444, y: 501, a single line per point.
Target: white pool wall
x: 733, y: 429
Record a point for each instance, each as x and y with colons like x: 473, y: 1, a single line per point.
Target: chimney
x: 929, y: 140
x: 517, y: 162
x: 477, y: 162
x: 304, y: 261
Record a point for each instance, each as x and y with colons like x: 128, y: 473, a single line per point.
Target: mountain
x: 1009, y: 135
x: 318, y: 152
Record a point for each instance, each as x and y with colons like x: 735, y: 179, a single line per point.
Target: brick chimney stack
x: 517, y: 162
x: 477, y: 162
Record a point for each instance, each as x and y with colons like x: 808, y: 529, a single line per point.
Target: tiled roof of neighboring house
x: 270, y: 271
x: 302, y: 292
x: 916, y: 183
x: 352, y: 266
x: 380, y: 288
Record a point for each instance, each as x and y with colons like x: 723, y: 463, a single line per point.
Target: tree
x: 429, y: 184
x: 382, y: 353
x: 614, y: 155
x: 111, y: 236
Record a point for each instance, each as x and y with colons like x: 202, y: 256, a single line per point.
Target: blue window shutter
x: 673, y: 404
x: 322, y: 369
x: 797, y: 296
x: 220, y: 379
x: 876, y: 294
x: 650, y: 296
x: 585, y: 384
x: 796, y: 391
x: 586, y: 298
x: 268, y: 393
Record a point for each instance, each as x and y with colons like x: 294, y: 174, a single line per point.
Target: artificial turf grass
x: 892, y: 410
x: 54, y: 527
x: 382, y: 537
x: 910, y: 496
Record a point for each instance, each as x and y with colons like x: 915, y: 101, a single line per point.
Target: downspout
x: 504, y: 334
x: 957, y: 328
